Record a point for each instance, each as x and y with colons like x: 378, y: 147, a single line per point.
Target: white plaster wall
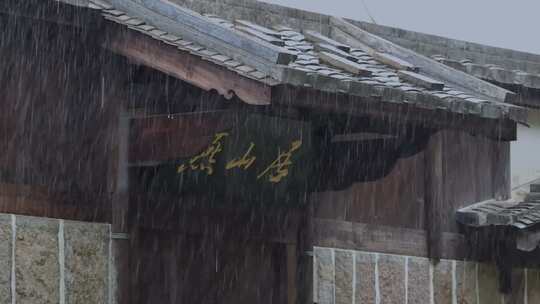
x: 525, y: 152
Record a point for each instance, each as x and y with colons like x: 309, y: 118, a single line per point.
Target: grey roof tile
x: 307, y: 71
x: 245, y: 69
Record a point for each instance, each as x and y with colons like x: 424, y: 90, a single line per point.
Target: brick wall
x: 53, y: 261
x: 345, y: 277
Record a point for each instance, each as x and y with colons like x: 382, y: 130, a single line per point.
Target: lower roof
x: 517, y: 213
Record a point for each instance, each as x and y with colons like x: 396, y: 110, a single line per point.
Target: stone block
x: 86, y: 262
x: 418, y: 281
x: 324, y: 267
x: 36, y: 261
x: 344, y: 276
x: 391, y: 279
x: 442, y: 282
x: 533, y: 285
x: 5, y: 258
x: 365, y: 278
x: 488, y: 284
x: 466, y: 282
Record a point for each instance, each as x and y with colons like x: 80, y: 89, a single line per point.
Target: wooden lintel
x: 204, y: 74
x: 383, y: 239
x: 34, y: 200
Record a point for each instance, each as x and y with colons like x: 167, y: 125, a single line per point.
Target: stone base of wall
x: 53, y: 261
x: 354, y: 277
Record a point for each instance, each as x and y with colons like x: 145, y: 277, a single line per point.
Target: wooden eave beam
x: 183, y: 65
x: 384, y: 239
x: 399, y: 115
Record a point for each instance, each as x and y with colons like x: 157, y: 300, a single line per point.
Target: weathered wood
x: 262, y: 36
x: 434, y: 195
x: 372, y: 203
x: 319, y: 38
x: 120, y: 209
x: 394, y: 61
x: 194, y: 27
x: 292, y: 261
x: 334, y: 50
x: 384, y: 239
x: 46, y: 137
x: 259, y: 28
x: 198, y: 216
x: 175, y: 268
x: 39, y: 201
x: 421, y: 80
x: 343, y: 63
x: 501, y: 171
x: 427, y: 65
x: 468, y: 172
x: 185, y: 66
x: 306, y: 243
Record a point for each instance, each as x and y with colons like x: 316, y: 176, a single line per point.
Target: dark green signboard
x: 259, y: 159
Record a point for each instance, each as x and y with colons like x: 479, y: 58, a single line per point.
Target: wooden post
x: 501, y: 171
x: 120, y: 208
x: 434, y: 194
x: 114, y: 97
x: 292, y: 261
x: 305, y: 279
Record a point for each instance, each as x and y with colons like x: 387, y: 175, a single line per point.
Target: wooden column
x: 120, y: 209
x: 292, y: 283
x: 434, y: 194
x: 501, y: 171
x: 305, y: 278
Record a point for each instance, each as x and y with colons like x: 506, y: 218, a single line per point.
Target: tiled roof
x: 493, y: 72
x: 137, y: 24
x: 494, y: 64
x: 519, y: 214
x: 327, y: 65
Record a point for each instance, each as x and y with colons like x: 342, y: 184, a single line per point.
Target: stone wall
x: 53, y: 261
x: 354, y: 277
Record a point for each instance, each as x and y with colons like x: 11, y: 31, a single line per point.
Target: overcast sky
x: 511, y: 24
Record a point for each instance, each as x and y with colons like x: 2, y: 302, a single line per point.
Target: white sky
x: 513, y: 24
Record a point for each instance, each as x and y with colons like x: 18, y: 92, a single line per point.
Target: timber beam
x: 185, y: 66
x: 384, y: 239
